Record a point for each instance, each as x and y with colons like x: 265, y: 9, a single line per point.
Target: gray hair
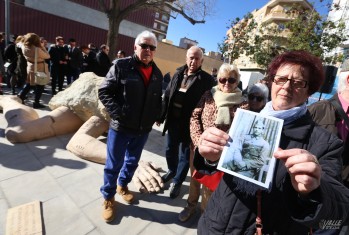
x: 228, y: 69
x: 196, y: 48
x: 342, y: 81
x: 260, y: 88
x: 148, y: 35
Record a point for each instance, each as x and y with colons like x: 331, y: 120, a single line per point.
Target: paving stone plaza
x: 68, y: 189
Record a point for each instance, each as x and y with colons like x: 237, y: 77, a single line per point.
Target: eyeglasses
x: 224, y: 80
x: 146, y: 46
x: 254, y: 97
x: 296, y: 83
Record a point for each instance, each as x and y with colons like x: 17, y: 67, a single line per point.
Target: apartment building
x: 273, y: 14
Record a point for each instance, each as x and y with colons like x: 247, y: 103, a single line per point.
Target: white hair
x: 196, y: 48
x: 342, y: 81
x: 260, y: 88
x: 148, y: 35
x: 228, y: 69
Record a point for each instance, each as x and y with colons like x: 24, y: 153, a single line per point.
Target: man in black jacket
x: 74, y: 61
x: 103, y: 61
x: 181, y: 97
x: 131, y: 92
x: 58, y: 64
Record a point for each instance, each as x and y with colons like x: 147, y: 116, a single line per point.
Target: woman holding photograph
x: 215, y: 108
x: 306, y: 191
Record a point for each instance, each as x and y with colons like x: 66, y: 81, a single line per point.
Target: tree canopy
x: 306, y: 31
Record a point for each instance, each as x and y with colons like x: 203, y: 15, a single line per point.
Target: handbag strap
x: 340, y: 111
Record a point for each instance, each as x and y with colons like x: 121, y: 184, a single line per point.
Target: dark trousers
x: 57, y: 74
x: 73, y: 74
x: 38, y: 89
x: 177, y: 153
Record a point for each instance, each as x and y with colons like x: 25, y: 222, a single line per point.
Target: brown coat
x: 42, y: 55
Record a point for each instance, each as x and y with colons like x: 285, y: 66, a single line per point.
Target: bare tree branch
x: 193, y: 11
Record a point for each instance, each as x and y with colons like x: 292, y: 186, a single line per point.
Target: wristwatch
x: 210, y: 163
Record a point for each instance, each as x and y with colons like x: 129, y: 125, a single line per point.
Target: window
x: 157, y: 15
x: 287, y: 8
x: 164, y: 18
x: 155, y: 26
x: 160, y: 37
x: 281, y: 26
x: 163, y: 27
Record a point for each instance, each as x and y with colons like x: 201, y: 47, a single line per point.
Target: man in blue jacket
x: 131, y: 92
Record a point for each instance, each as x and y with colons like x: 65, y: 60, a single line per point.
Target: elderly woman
x: 215, y: 108
x: 258, y: 97
x: 31, y: 43
x: 306, y: 193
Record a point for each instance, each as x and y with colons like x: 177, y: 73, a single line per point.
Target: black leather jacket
x: 132, y: 106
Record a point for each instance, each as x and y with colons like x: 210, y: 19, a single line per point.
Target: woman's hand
x: 303, y: 167
x: 212, y: 142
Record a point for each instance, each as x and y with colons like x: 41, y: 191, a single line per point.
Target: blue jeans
x: 177, y: 153
x: 123, y: 154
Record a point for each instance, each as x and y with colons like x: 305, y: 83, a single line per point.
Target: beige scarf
x: 223, y: 101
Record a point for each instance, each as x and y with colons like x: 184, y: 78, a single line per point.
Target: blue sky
x: 211, y: 33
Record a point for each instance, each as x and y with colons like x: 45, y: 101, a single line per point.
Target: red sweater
x: 146, y: 73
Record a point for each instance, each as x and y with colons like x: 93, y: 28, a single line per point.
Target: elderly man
x: 131, y: 92
x: 331, y: 115
x: 181, y: 97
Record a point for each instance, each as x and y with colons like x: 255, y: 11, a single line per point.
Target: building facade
x: 82, y: 20
x: 79, y: 19
x: 274, y: 14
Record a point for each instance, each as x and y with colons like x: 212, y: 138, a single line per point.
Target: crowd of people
x: 198, y: 109
x: 307, y: 192
x: 62, y: 62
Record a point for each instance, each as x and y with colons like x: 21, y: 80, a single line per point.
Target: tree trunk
x: 113, y: 33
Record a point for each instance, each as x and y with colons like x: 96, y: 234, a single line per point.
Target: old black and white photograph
x: 249, y: 153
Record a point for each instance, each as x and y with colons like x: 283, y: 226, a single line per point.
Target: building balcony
x: 276, y: 16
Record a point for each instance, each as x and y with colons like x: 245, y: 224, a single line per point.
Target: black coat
x: 89, y: 62
x: 58, y: 53
x: 132, y: 106
x: 103, y: 64
x: 283, y: 212
x: 203, y: 83
x: 10, y: 55
x: 326, y: 116
x: 75, y: 57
